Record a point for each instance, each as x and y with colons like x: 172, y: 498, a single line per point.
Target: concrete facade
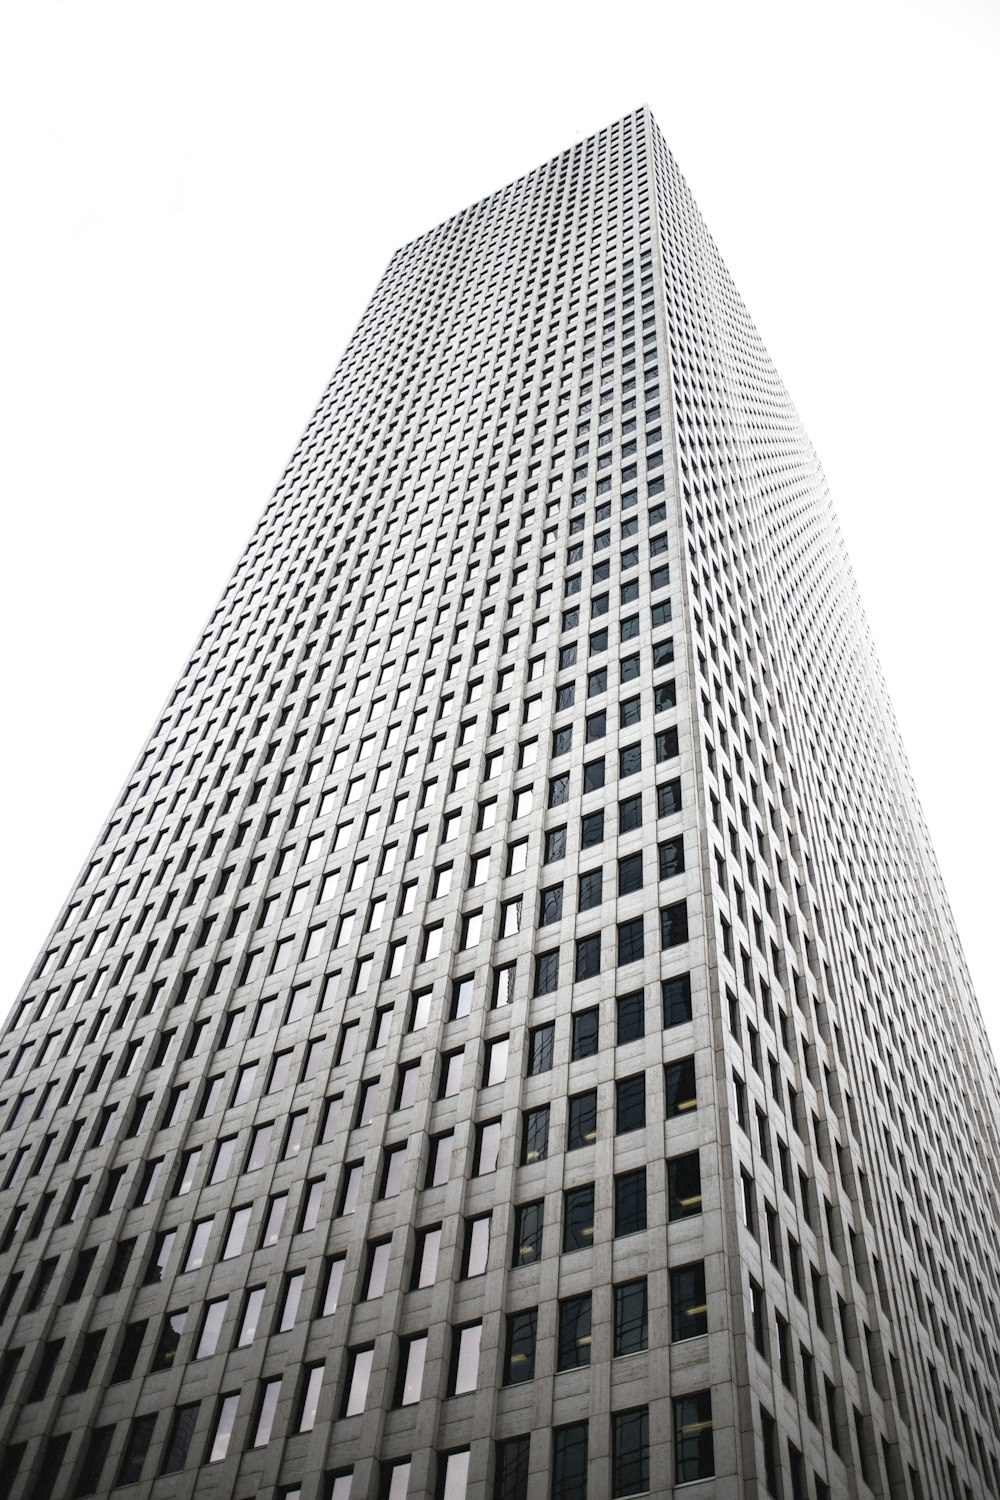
x: 510, y: 1039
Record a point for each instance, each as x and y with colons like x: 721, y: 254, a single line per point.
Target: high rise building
x: 509, y: 1039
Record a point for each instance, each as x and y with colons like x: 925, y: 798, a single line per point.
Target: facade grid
x: 510, y: 1039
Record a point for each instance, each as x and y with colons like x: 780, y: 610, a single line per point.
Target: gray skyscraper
x: 510, y: 1039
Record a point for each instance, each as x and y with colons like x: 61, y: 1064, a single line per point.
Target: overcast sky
x: 199, y: 198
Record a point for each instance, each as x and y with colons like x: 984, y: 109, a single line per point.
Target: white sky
x: 198, y: 199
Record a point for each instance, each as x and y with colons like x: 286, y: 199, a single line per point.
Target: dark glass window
x: 630, y: 628
x: 597, y: 682
x: 567, y: 656
x: 681, y: 1085
x: 631, y: 941
x: 586, y: 1028
x: 547, y: 972
x: 181, y: 1433
x: 512, y: 1458
x: 574, y: 1333
x: 555, y: 845
x: 591, y: 829
x: 535, y: 1135
x: 565, y: 696
x: 663, y: 653
x: 591, y: 889
x: 631, y: 1317
x: 588, y: 956
x: 569, y: 1462
x: 694, y: 1450
x: 688, y: 1309
x: 136, y: 1448
x: 671, y: 853
x: 558, y: 790
x: 582, y: 1122
x: 668, y: 798
x: 664, y: 696
x: 593, y: 775
x: 597, y: 726
x: 630, y: 1452
x: 630, y: 761
x: 562, y: 740
x: 684, y: 1186
x: 630, y: 1202
x: 578, y: 1218
x: 677, y: 1000
x: 667, y: 747
x: 630, y: 666
x: 629, y: 712
x: 519, y: 1359
x: 630, y: 813
x: 630, y: 1103
x: 673, y: 924
x: 541, y: 1043
x: 598, y: 642
x: 528, y: 1221
x: 550, y: 905
x: 630, y: 1017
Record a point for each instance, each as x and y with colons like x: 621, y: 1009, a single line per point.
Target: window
x: 239, y: 1223
x: 535, y: 1135
x: 588, y: 957
x: 673, y: 924
x: 591, y: 889
x: 267, y: 1407
x: 550, y: 905
x: 211, y: 1327
x: 136, y: 1448
x: 476, y: 1246
x: 196, y: 1249
x: 630, y: 1017
x: 629, y: 761
x: 596, y: 726
x: 681, y: 1087
x: 630, y: 1202
x: 676, y: 1000
x: 547, y: 972
x: 555, y: 845
x: 426, y: 1257
x: 688, y: 1309
x: 559, y: 790
x: 495, y: 1067
x: 359, y: 1368
x: 578, y: 1218
x: 222, y: 1431
x: 630, y: 813
x: 597, y: 682
x: 593, y: 776
x: 631, y: 941
x: 407, y: 1080
x: 631, y: 1317
x: 630, y: 1452
x: 569, y: 1462
x: 668, y: 798
x: 410, y: 1373
x: 630, y: 1103
x: 350, y: 1189
x: 591, y: 830
x: 528, y: 1223
x: 694, y: 1451
x: 450, y: 1077
x: 439, y: 1165
x: 519, y: 1356
x: 512, y: 1460
x: 541, y: 1045
x: 574, y: 1333
x: 308, y: 1403
x: 629, y: 874
x: 453, y: 1475
x: 582, y: 1122
x: 671, y: 856
x: 684, y: 1186
x: 378, y: 1268
x: 488, y: 1137
x: 461, y: 998
x: 250, y: 1321
x: 173, y: 1327
x: 464, y: 1369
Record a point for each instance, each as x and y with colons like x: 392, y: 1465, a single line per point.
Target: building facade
x: 509, y: 1039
